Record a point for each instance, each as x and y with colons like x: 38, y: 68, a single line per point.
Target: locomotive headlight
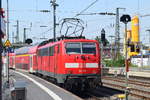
x: 94, y: 71
x: 69, y: 71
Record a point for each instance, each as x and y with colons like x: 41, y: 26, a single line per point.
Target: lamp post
x: 54, y: 18
x: 0, y: 54
x: 125, y: 19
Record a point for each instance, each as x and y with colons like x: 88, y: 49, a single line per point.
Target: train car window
x: 51, y: 51
x: 45, y: 52
x: 73, y: 48
x: 39, y: 52
x: 88, y: 48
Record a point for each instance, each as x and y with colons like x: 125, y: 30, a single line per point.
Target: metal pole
x: 111, y: 37
x: 36, y: 5
x: 8, y: 19
x: 149, y: 35
x: 54, y: 18
x: 141, y: 55
x: 101, y: 59
x: 8, y: 39
x: 24, y: 35
x: 126, y: 63
x: 149, y: 38
x: 1, y: 46
x: 111, y: 47
x: 13, y: 37
x: 117, y: 34
x: 17, y: 31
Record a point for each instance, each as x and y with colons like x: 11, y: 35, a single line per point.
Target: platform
x: 40, y: 89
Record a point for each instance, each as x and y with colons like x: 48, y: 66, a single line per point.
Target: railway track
x: 92, y: 97
x: 119, y: 83
x: 130, y: 81
x: 101, y: 93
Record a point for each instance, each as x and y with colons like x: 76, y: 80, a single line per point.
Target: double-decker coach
x: 12, y: 60
x: 25, y: 58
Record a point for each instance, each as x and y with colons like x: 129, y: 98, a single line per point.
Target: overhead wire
x: 86, y: 8
x: 45, y: 31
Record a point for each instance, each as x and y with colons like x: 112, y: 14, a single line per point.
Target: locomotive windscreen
x: 80, y: 48
x: 73, y: 48
x: 88, y: 48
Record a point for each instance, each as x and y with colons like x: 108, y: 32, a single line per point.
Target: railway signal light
x: 102, y: 35
x: 103, y: 39
x: 125, y: 19
x: 28, y: 41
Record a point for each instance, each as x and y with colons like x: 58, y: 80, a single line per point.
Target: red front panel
x: 77, y: 62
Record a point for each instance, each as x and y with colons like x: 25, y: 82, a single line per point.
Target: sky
x: 29, y: 16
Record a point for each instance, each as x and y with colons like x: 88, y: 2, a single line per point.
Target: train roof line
x: 25, y: 49
x: 59, y: 39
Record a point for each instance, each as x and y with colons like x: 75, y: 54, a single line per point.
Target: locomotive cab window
x: 88, y: 48
x: 73, y: 48
x: 80, y: 48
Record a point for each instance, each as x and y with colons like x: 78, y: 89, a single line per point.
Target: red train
x: 71, y: 62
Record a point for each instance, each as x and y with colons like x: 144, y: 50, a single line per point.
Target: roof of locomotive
x: 79, y: 40
x: 66, y: 40
x: 32, y: 49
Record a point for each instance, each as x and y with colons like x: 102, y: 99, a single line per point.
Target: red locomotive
x: 69, y: 61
